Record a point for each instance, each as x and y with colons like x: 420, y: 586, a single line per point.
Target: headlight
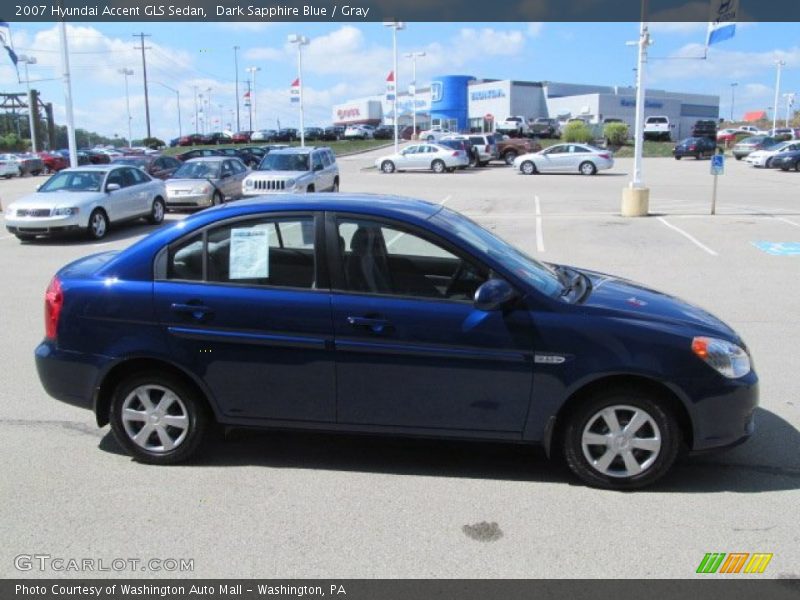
x: 65, y: 212
x: 728, y: 359
x: 248, y: 183
x: 290, y: 183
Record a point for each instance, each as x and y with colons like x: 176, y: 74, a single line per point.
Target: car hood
x: 57, y: 199
x: 628, y: 299
x: 276, y: 174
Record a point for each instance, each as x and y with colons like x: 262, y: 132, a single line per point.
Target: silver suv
x: 484, y: 145
x: 294, y: 170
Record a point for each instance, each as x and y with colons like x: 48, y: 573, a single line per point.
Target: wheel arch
x: 671, y: 398
x: 130, y: 366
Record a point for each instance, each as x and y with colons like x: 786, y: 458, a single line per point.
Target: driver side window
x: 379, y: 258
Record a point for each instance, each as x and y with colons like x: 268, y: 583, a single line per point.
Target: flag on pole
x: 390, y: 87
x: 246, y: 98
x: 5, y: 39
x: 722, y: 25
x: 294, y: 91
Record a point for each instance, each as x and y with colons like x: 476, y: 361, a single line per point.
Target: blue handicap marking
x: 779, y: 248
x: 717, y: 164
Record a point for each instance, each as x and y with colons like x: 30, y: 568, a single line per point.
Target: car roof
x: 297, y: 149
x: 105, y: 167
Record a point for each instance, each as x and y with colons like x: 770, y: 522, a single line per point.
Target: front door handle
x: 374, y: 325
x: 196, y: 311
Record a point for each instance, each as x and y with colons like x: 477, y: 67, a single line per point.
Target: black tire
x: 509, y: 156
x: 216, y: 199
x: 25, y: 237
x: 197, y: 418
x: 768, y: 163
x: 335, y: 187
x: 430, y: 138
x: 797, y: 166
x: 587, y: 168
x: 528, y: 168
x: 387, y: 166
x: 98, y: 224
x: 310, y: 189
x: 483, y: 163
x: 438, y: 166
x: 698, y: 156
x: 157, y: 211
x: 737, y: 157
x: 678, y: 157
x: 585, y: 417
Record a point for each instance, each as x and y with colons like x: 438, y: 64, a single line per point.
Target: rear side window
x: 185, y: 261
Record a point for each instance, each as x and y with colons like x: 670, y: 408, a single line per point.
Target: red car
x: 241, y: 137
x: 53, y: 162
x: 193, y: 139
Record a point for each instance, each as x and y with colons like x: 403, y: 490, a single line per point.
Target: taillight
x: 692, y: 147
x: 53, y: 301
x: 606, y: 156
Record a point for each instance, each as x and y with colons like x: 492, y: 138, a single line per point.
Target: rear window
x: 657, y: 120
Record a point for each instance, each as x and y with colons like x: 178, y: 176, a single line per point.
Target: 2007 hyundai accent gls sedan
x: 379, y: 314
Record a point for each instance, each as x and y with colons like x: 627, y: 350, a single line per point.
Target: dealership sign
x: 347, y: 114
x: 479, y: 95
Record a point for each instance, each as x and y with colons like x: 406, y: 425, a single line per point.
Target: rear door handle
x: 197, y: 311
x: 374, y: 325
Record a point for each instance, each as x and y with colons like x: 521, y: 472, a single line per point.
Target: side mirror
x: 225, y: 175
x: 493, y: 295
x: 318, y: 167
x: 113, y: 187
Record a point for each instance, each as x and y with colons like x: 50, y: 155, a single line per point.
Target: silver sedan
x: 206, y: 181
x: 570, y: 158
x: 424, y: 156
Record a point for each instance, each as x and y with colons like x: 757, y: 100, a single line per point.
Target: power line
x: 141, y: 36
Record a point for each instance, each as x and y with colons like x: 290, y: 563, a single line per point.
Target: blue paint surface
x: 779, y: 248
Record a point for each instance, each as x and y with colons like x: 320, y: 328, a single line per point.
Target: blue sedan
x: 387, y: 315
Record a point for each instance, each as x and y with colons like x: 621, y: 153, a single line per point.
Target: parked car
x: 294, y: 170
x: 513, y: 126
x: 462, y: 143
x: 87, y: 199
x: 158, y: 167
x: 407, y: 133
x: 96, y: 157
x: 241, y: 137
x: 218, y: 137
x: 272, y: 147
x: 287, y: 134
x: 313, y: 134
x: 569, y: 158
x: 787, y: 160
x: 545, y: 127
x: 484, y: 145
x: 782, y: 134
x: 53, y: 162
x: 750, y: 144
x: 263, y: 135
x: 763, y: 158
x: 206, y: 181
x: 384, y: 132
x: 30, y: 164
x: 9, y: 166
x: 657, y: 128
x: 358, y: 132
x: 425, y: 300
x: 509, y: 148
x: 198, y: 153
x: 751, y: 128
x: 698, y: 147
x: 428, y: 156
x: 705, y: 128
x: 730, y: 136
x: 333, y: 133
x: 192, y: 139
x: 248, y: 158
x: 435, y: 133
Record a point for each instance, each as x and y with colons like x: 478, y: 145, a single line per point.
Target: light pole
x: 196, y: 123
x: 636, y: 197
x: 126, y: 72
x: 301, y: 41
x: 253, y: 71
x: 413, y: 56
x: 209, y: 122
x: 73, y: 148
x: 779, y: 64
x: 236, y: 67
x: 789, y: 104
x: 29, y: 60
x: 733, y: 87
x: 395, y: 26
x: 178, y: 95
x: 202, y: 115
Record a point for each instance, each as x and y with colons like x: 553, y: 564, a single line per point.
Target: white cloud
x: 535, y: 29
x: 265, y: 54
x: 721, y: 64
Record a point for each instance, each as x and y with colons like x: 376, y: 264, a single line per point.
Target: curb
x: 357, y: 152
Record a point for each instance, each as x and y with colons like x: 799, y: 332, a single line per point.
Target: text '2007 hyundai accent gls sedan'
x: 387, y: 315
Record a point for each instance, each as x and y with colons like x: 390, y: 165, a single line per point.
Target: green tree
x: 577, y: 131
x: 616, y: 134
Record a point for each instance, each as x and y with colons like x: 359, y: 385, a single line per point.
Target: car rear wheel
x: 587, y: 168
x: 216, y: 199
x: 335, y: 187
x: 157, y: 418
x: 98, y: 224
x: 678, y: 157
x: 387, y: 166
x: 157, y: 212
x: 509, y: 157
x: 528, y: 168
x: 438, y: 166
x: 621, y: 439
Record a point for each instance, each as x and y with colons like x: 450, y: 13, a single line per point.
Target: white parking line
x: 539, y: 230
x: 689, y: 237
x: 444, y: 200
x: 790, y: 222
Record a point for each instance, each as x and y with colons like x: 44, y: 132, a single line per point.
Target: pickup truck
x: 545, y: 127
x: 657, y: 128
x: 517, y: 125
x: 509, y: 148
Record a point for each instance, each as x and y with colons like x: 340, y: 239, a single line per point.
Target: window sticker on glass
x: 249, y: 257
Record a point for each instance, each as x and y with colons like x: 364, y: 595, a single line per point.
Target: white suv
x: 294, y: 170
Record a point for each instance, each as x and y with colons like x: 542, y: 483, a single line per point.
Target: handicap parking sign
x: 779, y: 248
x: 718, y: 164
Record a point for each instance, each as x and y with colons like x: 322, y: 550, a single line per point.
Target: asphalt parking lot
x: 297, y: 505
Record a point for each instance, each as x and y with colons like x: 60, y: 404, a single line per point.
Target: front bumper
x: 43, y: 225
x: 189, y: 200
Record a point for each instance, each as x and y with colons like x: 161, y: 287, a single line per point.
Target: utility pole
x: 249, y: 107
x: 779, y: 64
x: 196, y: 124
x: 733, y: 87
x: 141, y: 36
x: 126, y: 72
x: 73, y: 147
x: 236, y: 67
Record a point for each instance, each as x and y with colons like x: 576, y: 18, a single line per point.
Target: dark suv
x: 706, y: 129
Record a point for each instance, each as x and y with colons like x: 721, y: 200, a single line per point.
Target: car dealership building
x: 462, y: 102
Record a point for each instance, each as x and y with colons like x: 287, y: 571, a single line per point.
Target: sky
x: 345, y: 61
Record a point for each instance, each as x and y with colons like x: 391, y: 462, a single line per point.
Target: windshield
x: 131, y: 162
x: 202, y: 169
x: 74, y: 181
x: 284, y: 162
x: 534, y: 273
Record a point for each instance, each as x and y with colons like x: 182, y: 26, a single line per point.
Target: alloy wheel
x: 155, y: 418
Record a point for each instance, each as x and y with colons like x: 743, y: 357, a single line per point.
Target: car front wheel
x: 387, y: 166
x: 98, y: 224
x: 157, y: 212
x: 157, y: 418
x: 623, y: 439
x: 528, y: 168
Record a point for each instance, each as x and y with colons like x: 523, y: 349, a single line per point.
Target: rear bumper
x: 68, y: 376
